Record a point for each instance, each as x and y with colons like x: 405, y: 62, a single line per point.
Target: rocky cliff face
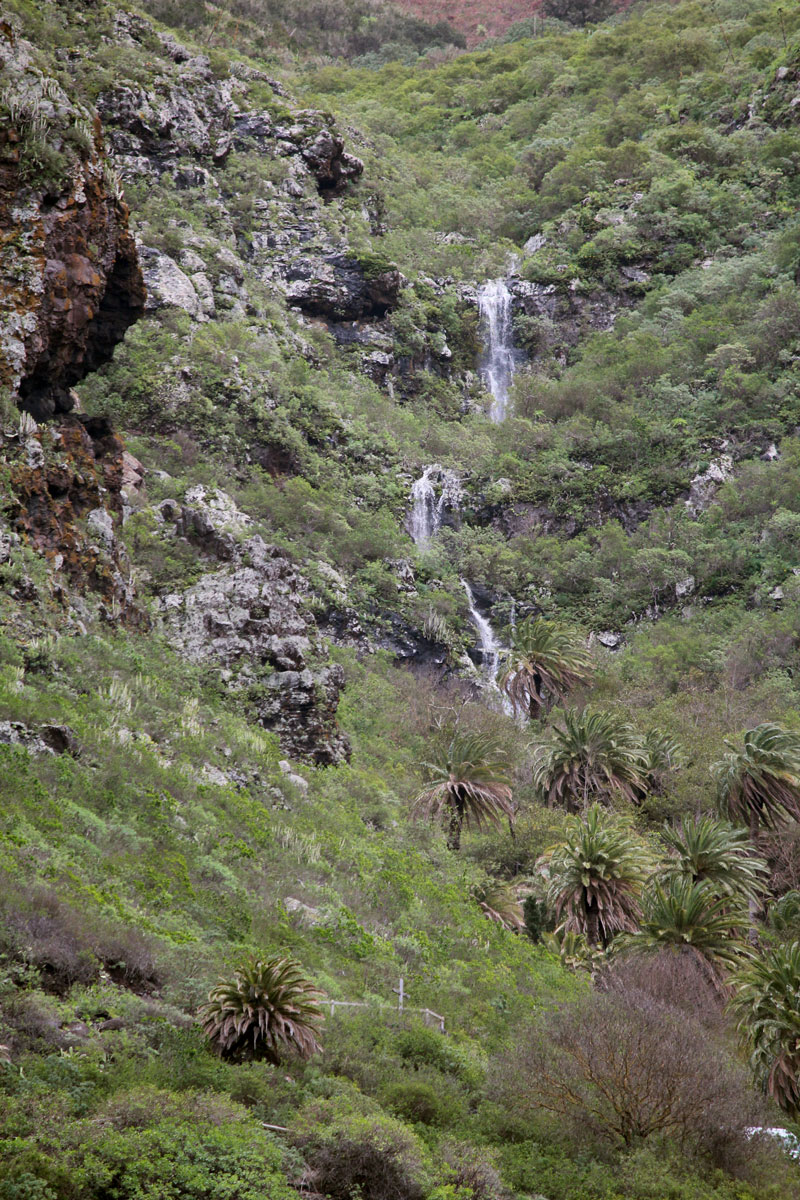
x: 72, y: 280
x: 246, y: 615
x: 70, y: 284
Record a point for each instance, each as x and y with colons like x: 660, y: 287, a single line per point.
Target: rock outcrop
x: 65, y: 501
x: 248, y: 618
x: 70, y: 283
x: 338, y: 287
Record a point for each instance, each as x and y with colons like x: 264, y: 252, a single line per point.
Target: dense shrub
x: 350, y: 1146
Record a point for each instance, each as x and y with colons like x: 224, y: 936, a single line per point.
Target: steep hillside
x: 399, y: 461
x: 476, y: 19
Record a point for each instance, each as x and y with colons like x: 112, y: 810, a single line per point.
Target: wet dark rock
x: 337, y: 287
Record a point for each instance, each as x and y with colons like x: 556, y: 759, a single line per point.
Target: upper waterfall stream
x: 494, y: 306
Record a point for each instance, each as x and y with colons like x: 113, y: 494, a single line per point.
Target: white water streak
x: 427, y: 508
x: 494, y: 306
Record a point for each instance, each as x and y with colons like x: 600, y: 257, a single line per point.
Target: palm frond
x: 759, y: 785
x: 498, y: 903
x: 686, y: 915
x: 713, y: 852
x: 266, y: 1008
x: 467, y: 784
x: 595, y: 877
x: 545, y: 661
x: 589, y: 755
x: 766, y: 1000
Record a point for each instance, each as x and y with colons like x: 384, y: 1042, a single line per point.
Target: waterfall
x: 487, y: 642
x: 494, y: 306
x: 427, y: 509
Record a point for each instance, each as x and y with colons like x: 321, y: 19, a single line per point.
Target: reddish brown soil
x: 476, y: 19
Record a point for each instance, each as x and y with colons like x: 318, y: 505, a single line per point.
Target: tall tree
x: 686, y: 916
x: 590, y: 755
x: 545, y: 661
x: 759, y: 785
x: 467, y: 784
x: 578, y: 12
x: 766, y: 1000
x: 595, y: 877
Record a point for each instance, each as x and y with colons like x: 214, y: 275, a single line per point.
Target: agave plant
x: 686, y: 916
x: 766, y: 1000
x: 595, y: 877
x: 590, y: 755
x: 713, y: 852
x: 467, y: 785
x: 498, y: 903
x: 545, y: 661
x: 759, y: 785
x: 266, y: 1008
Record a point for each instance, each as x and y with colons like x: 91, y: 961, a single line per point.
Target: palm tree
x: 767, y: 1002
x: 713, y: 852
x: 759, y: 785
x: 663, y: 756
x: 498, y: 903
x: 267, y: 1007
x: 591, y: 754
x: 686, y: 916
x: 545, y: 661
x: 595, y: 877
x: 467, y: 785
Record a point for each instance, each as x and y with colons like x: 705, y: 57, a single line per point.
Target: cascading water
x: 427, y: 509
x: 490, y: 650
x: 489, y: 646
x: 494, y: 306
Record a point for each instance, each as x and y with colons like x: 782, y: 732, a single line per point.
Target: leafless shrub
x: 622, y: 1066
x: 474, y: 1171
x: 676, y: 980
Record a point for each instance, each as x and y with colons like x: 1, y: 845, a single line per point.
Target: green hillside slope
x: 266, y: 572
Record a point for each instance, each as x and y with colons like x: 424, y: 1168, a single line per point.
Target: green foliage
x: 545, y: 662
x: 467, y: 785
x: 595, y: 877
x: 712, y: 852
x: 765, y: 1001
x: 589, y: 755
x: 686, y: 916
x: 760, y: 784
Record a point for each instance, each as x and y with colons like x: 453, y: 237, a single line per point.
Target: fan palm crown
x: 545, y: 661
x: 266, y: 1008
x: 588, y: 755
x: 467, y: 785
x: 713, y: 852
x: 595, y: 877
x: 767, y: 1002
x: 759, y: 785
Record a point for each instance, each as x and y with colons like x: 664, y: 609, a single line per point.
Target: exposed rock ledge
x: 247, y: 617
x: 70, y: 283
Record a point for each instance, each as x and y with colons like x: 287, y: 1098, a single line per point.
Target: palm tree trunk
x: 752, y: 903
x: 592, y: 924
x: 454, y: 826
